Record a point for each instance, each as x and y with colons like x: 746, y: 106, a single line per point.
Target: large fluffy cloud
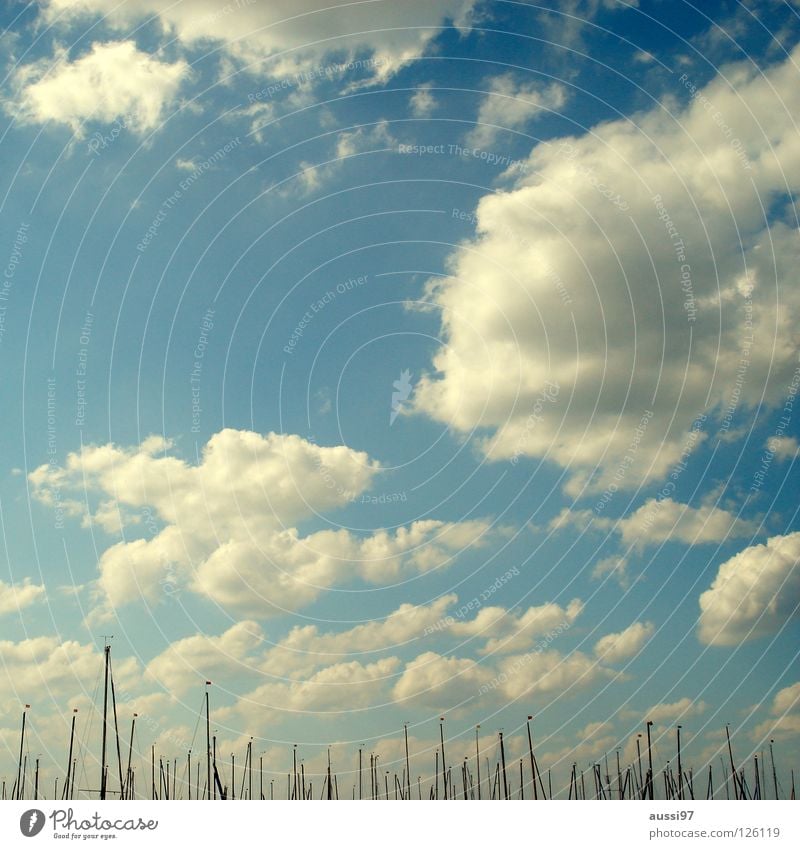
x: 112, y: 81
x: 295, y: 34
x: 755, y: 593
x: 243, y: 650
x: 40, y: 669
x: 420, y: 656
x: 625, y: 285
x: 226, y: 527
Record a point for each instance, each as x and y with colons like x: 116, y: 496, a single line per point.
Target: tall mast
x: 680, y: 768
x: 106, y: 651
x: 208, y: 745
x: 774, y: 773
x: 250, y: 769
x: 533, y: 760
x: 444, y: 762
x: 639, y: 765
x: 733, y: 766
x: 503, y: 761
x: 18, y: 791
x: 65, y: 792
x: 478, y: 759
x: 116, y: 724
x: 408, y: 763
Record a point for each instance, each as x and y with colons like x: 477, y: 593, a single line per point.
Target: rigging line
x: 82, y: 747
x: 197, y: 724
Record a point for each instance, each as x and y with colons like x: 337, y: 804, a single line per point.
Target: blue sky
x: 380, y: 362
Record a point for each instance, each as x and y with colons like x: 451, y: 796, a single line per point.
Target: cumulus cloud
x: 294, y: 34
x: 613, y: 567
x: 783, y: 447
x: 189, y: 662
x: 785, y: 719
x: 422, y: 102
x: 509, y: 105
x: 350, y: 685
x: 670, y: 712
x: 394, y: 660
x: 243, y: 649
x: 623, y: 287
x: 14, y: 597
x: 514, y: 632
x: 48, y: 667
x: 616, y: 648
x: 112, y: 81
x: 754, y: 594
x: 225, y: 528
x: 662, y: 520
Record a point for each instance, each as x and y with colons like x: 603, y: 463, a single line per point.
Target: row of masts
x: 636, y: 781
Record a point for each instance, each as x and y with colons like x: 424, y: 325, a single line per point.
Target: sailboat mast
x: 17, y: 793
x: 503, y: 760
x: 408, y: 763
x: 208, y: 746
x: 533, y: 762
x: 774, y: 773
x: 444, y: 762
x: 478, y: 759
x: 65, y: 792
x: 106, y: 651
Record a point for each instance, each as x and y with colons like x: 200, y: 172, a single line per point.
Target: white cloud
x: 568, y: 330
x: 670, y: 712
x: 189, y: 662
x: 310, y: 178
x: 293, y: 34
x: 565, y: 23
x: 515, y: 632
x: 49, y: 668
x: 509, y: 105
x: 616, y: 648
x: 242, y: 650
x: 754, y: 594
x: 658, y: 521
x: 783, y: 447
x: 112, y: 81
x: 614, y: 567
x: 527, y: 675
x: 444, y: 682
x: 339, y: 687
x: 227, y: 524
x: 14, y: 597
x: 306, y: 646
x: 785, y: 719
x: 422, y: 102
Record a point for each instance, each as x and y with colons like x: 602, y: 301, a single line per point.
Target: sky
x: 380, y: 362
